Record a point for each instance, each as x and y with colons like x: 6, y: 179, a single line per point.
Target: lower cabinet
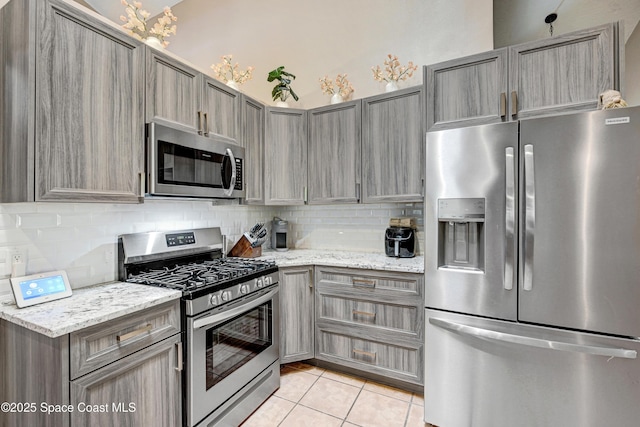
x: 296, y: 314
x: 371, y: 321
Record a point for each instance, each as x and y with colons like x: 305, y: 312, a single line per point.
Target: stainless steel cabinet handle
x: 365, y: 283
x: 514, y: 103
x: 372, y: 355
x: 199, y: 122
x: 533, y: 342
x: 179, y: 360
x: 503, y: 104
x: 311, y: 278
x: 509, y: 219
x: 206, y: 124
x: 132, y: 334
x: 529, y: 216
x: 358, y: 192
x: 142, y: 176
x: 305, y: 195
x: 363, y: 313
x: 232, y: 183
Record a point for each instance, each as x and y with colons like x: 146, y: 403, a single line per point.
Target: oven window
x: 187, y: 166
x: 236, y: 342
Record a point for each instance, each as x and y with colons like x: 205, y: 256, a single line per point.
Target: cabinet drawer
x: 394, y: 317
x: 382, y: 282
x: 399, y: 360
x: 96, y: 346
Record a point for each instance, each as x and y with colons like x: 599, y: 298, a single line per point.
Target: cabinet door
x: 253, y: 142
x: 296, y: 314
x: 393, y: 141
x: 467, y: 91
x: 334, y: 153
x: 563, y: 74
x: 143, y: 389
x: 89, y: 115
x: 221, y: 104
x: 286, y: 156
x: 173, y: 92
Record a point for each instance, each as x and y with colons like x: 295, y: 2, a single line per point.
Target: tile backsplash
x: 81, y: 238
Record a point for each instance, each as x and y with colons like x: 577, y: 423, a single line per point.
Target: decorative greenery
x: 136, y: 22
x: 344, y: 88
x: 393, y: 71
x: 226, y: 72
x: 283, y: 89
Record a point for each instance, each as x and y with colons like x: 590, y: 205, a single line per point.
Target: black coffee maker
x: 400, y: 242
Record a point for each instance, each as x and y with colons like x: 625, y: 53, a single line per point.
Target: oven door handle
x: 218, y: 318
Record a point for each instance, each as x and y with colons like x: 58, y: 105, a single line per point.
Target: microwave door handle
x: 232, y: 183
x: 216, y: 319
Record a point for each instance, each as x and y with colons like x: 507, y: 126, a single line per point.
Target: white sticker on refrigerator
x: 617, y: 121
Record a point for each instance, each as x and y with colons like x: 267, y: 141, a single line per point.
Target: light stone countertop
x: 96, y: 304
x: 86, y: 307
x: 333, y: 258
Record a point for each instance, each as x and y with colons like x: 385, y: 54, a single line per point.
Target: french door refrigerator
x: 532, y: 272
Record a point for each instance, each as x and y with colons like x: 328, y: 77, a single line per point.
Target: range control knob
x: 244, y: 289
x: 268, y: 280
x: 226, y: 296
x: 259, y: 282
x: 214, y: 300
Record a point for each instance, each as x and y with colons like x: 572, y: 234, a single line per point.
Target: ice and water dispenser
x: 461, y: 234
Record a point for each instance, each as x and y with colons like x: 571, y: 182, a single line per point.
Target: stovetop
x: 206, y: 275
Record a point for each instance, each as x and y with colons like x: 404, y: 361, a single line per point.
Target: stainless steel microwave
x: 184, y: 164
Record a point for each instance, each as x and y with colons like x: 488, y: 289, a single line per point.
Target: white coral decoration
x: 136, y: 22
x: 393, y: 71
x: 227, y: 72
x: 343, y: 86
x: 612, y: 99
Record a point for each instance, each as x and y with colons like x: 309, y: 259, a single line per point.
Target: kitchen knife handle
x: 206, y: 124
x: 514, y: 102
x: 509, y: 218
x: 199, y: 122
x: 529, y: 216
x: 503, y: 104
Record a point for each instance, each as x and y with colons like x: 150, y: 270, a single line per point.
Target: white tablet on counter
x: 41, y: 287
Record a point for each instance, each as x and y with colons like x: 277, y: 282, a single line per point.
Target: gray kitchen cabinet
x: 286, y: 156
x: 371, y: 321
x: 393, y: 140
x: 253, y: 117
x: 126, y: 371
x: 83, y: 138
x: 296, y: 314
x: 557, y: 75
x: 178, y: 94
x: 334, y: 148
x: 467, y: 91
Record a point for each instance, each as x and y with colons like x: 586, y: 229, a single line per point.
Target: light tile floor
x: 312, y: 396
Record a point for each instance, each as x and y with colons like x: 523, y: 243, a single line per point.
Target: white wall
x: 315, y: 38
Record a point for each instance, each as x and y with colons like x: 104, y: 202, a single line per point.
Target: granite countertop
x: 86, y: 307
x: 332, y: 258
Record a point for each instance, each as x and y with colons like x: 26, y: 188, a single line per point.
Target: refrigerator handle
x: 533, y: 342
x: 529, y: 216
x: 509, y: 218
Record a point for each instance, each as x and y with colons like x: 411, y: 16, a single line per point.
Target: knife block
x: 243, y: 249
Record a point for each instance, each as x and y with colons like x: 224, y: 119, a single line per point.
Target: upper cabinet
x: 557, y: 75
x: 393, y: 140
x: 286, y: 156
x: 253, y: 117
x: 81, y: 138
x: 179, y: 94
x: 334, y: 153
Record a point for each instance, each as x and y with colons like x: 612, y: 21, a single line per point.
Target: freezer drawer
x: 489, y: 373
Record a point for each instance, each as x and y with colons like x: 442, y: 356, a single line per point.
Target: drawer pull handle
x: 135, y: 333
x: 363, y: 313
x: 369, y: 354
x: 179, y: 354
x: 365, y: 283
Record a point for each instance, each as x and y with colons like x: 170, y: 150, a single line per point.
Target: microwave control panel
x: 238, y: 185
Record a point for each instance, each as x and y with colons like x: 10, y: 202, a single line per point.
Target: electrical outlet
x: 15, y: 256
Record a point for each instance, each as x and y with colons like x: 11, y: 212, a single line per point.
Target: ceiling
x: 113, y: 9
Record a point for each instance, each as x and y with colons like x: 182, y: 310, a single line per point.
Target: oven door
x: 185, y: 164
x: 227, y: 348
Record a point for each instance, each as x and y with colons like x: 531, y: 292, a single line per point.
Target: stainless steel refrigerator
x: 532, y: 272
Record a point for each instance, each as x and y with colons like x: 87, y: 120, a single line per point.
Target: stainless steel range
x: 230, y: 316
